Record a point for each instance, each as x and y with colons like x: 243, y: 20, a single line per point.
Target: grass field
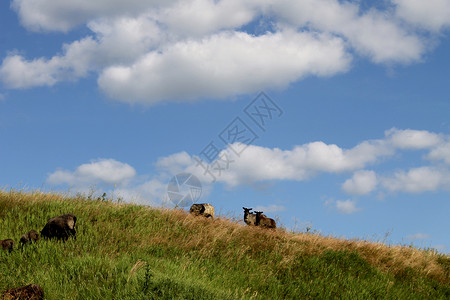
x: 125, y: 251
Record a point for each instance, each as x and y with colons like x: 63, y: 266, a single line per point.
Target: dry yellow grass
x: 221, y: 231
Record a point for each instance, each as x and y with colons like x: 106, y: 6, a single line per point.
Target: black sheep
x: 29, y: 237
x: 7, y: 245
x: 60, y: 227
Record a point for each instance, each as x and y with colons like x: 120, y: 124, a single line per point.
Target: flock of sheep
x: 251, y: 219
x: 62, y: 227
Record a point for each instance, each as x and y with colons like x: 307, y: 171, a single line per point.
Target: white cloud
x: 430, y: 14
x: 418, y: 236
x: 152, y: 51
x: 258, y: 164
x: 302, y: 162
x: 102, y: 171
x: 417, y: 180
x: 273, y: 208
x: 343, y: 206
x: 199, y: 17
x: 17, y: 72
x: 441, y: 152
x: 152, y: 192
x: 50, y: 15
x: 225, y: 64
x: 175, y: 163
x: 119, y: 180
x: 374, y: 33
x: 412, y: 139
x: 362, y: 182
x: 346, y: 207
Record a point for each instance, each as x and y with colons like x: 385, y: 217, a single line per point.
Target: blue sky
x: 122, y: 97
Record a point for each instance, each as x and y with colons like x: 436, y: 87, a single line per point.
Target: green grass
x: 135, y: 252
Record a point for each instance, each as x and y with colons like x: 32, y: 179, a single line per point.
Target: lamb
x: 204, y: 209
x: 29, y: 237
x: 7, y: 245
x: 262, y: 220
x: 60, y: 227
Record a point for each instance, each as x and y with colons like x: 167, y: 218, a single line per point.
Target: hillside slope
x: 125, y: 251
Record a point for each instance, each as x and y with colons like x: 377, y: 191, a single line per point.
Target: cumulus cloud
x: 417, y: 180
x: 412, y: 139
x: 441, y: 152
x: 151, y: 192
x: 302, y: 162
x: 362, y: 183
x: 225, y: 64
x: 49, y: 15
x: 430, y: 14
x: 273, y: 208
x: 119, y: 180
x: 17, y: 72
x: 152, y: 51
x: 261, y: 164
x: 345, y: 207
x: 200, y: 17
x: 374, y: 33
x: 102, y: 171
x: 257, y: 164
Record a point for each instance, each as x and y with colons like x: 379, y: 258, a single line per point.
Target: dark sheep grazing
x: 60, y: 227
x: 249, y: 217
x: 29, y: 292
x: 31, y: 236
x: 7, y: 245
x: 263, y: 221
x: 202, y: 209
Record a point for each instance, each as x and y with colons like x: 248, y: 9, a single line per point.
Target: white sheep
x: 203, y: 209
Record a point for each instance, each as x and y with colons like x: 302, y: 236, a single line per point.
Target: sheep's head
x: 247, y: 210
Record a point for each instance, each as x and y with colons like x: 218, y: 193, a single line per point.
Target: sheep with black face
x: 249, y: 217
x: 262, y: 220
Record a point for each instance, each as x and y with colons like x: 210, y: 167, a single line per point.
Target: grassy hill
x: 127, y: 251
